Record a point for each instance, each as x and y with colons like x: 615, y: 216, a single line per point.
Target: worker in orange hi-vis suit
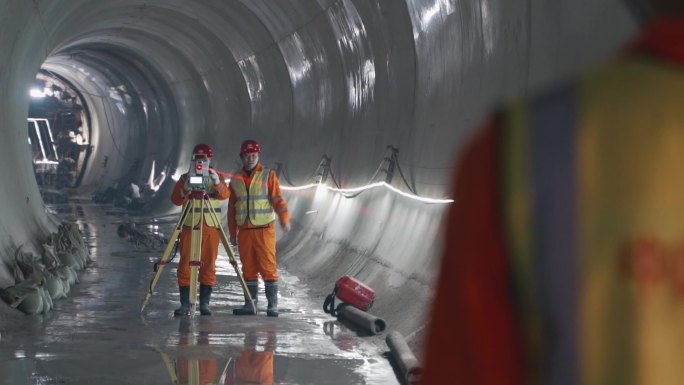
x: 255, y: 199
x: 217, y: 190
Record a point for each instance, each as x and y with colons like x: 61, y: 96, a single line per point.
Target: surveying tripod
x: 194, y: 207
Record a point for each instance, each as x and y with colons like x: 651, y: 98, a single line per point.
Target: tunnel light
x: 36, y: 93
x: 298, y: 188
x: 45, y: 141
x: 367, y: 187
x: 155, y: 183
x: 354, y: 190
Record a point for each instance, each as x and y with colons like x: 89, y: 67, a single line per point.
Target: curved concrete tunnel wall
x: 342, y: 78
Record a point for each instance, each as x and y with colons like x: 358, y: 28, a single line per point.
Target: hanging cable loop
x: 322, y: 170
x: 391, y: 160
x: 388, y: 164
x: 401, y: 173
x: 280, y: 170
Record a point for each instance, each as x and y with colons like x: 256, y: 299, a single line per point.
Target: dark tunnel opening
x: 59, y: 132
x: 134, y: 125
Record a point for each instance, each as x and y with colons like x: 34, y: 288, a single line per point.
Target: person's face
x: 194, y: 158
x: 250, y: 160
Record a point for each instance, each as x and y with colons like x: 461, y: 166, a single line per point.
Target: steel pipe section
x: 409, y: 366
x: 305, y: 78
x: 366, y: 322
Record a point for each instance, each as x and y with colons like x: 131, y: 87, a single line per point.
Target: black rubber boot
x: 205, y: 297
x: 184, y: 308
x: 247, y: 309
x: 272, y: 297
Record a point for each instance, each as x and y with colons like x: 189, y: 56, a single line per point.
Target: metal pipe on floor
x: 360, y: 318
x: 404, y: 357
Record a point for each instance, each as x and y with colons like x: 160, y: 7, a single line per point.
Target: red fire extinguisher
x: 352, y: 291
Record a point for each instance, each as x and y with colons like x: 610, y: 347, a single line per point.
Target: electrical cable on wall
x: 401, y: 173
x: 333, y: 177
x: 324, y: 169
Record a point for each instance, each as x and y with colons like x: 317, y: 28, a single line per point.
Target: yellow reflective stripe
x: 252, y: 209
x: 253, y: 197
x: 258, y: 211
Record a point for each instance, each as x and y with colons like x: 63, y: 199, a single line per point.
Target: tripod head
x: 198, y: 177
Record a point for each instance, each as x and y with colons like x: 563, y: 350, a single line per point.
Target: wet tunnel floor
x: 97, y: 334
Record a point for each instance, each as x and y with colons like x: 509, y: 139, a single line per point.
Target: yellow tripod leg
x: 223, y: 371
x: 193, y: 372
x: 196, y: 254
x: 231, y: 258
x: 166, y: 255
x: 169, y: 365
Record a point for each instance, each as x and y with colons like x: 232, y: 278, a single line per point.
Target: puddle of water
x: 23, y: 371
x: 98, y: 336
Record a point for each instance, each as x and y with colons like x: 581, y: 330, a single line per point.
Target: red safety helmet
x: 202, y: 149
x: 249, y: 146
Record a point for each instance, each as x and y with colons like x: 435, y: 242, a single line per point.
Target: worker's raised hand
x: 214, y: 177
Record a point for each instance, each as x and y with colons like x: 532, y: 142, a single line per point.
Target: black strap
x: 206, y: 210
x: 175, y: 250
x: 329, y: 303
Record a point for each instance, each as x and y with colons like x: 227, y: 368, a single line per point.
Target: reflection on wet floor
x: 246, y: 357
x: 98, y: 336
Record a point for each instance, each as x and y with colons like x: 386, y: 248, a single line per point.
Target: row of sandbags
x: 41, y: 279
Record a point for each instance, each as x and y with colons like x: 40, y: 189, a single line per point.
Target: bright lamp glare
x: 36, y: 93
x: 370, y: 186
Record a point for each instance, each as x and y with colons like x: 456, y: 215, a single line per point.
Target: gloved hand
x: 233, y: 241
x: 214, y: 177
x: 286, y: 226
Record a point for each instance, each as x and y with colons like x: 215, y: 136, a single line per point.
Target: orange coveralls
x: 208, y: 367
x: 210, y: 239
x: 257, y: 244
x: 253, y: 366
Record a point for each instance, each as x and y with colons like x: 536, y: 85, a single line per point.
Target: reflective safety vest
x: 593, y: 200
x: 253, y: 203
x: 215, y: 204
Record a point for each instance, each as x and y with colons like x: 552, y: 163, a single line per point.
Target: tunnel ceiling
x: 341, y: 78
x: 159, y: 76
